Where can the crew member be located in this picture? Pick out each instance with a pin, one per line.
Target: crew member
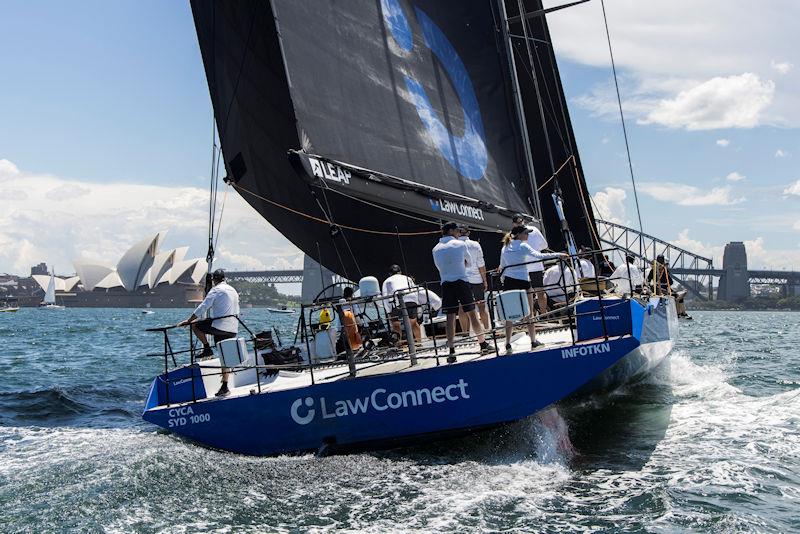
(585, 267)
(559, 283)
(514, 260)
(627, 277)
(222, 306)
(476, 276)
(450, 256)
(538, 243)
(397, 281)
(659, 278)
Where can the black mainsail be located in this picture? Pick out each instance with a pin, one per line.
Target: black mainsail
(356, 127)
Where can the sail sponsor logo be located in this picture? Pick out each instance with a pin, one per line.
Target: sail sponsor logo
(455, 208)
(305, 410)
(329, 171)
(586, 350)
(466, 153)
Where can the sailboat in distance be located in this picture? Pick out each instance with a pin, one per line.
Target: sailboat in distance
(358, 128)
(49, 300)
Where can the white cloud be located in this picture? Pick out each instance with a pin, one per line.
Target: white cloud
(780, 153)
(782, 67)
(661, 52)
(688, 195)
(730, 102)
(735, 177)
(103, 219)
(610, 205)
(723, 142)
(796, 225)
(793, 189)
(684, 241)
(7, 169)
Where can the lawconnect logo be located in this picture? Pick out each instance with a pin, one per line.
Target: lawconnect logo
(304, 410)
(448, 206)
(585, 350)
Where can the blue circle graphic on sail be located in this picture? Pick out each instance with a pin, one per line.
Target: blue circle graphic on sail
(467, 152)
(398, 24)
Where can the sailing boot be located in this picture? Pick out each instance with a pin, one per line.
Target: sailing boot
(452, 357)
(223, 390)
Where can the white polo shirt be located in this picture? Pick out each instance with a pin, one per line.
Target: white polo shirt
(475, 260)
(394, 283)
(220, 301)
(450, 256)
(519, 252)
(538, 243)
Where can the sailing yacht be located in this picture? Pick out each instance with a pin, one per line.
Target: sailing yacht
(49, 301)
(357, 129)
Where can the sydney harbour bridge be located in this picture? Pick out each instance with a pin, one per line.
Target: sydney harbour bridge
(694, 272)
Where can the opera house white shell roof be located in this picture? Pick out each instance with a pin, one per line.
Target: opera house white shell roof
(141, 265)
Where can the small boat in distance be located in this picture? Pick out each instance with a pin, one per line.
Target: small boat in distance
(282, 309)
(49, 301)
(9, 305)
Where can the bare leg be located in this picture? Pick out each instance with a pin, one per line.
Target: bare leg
(509, 330)
(531, 323)
(415, 330)
(484, 315)
(451, 329)
(476, 325)
(463, 321)
(542, 298)
(200, 335)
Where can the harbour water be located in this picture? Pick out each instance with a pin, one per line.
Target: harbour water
(710, 443)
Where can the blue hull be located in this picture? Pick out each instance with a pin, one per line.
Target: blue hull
(431, 401)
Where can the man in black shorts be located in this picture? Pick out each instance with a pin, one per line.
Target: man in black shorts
(222, 305)
(451, 257)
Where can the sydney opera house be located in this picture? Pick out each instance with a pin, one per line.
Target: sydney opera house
(143, 277)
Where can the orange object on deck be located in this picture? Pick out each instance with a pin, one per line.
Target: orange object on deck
(351, 329)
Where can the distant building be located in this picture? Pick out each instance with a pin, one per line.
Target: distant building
(39, 269)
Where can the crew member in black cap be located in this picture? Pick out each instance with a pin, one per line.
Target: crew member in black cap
(451, 258)
(222, 305)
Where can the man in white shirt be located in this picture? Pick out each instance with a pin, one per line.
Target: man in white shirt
(555, 280)
(585, 267)
(537, 242)
(627, 275)
(476, 276)
(222, 305)
(450, 256)
(398, 281)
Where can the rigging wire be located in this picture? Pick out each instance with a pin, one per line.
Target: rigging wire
(323, 221)
(622, 119)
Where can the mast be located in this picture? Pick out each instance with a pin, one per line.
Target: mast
(536, 87)
(526, 142)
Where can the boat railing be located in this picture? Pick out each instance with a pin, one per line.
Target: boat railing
(379, 317)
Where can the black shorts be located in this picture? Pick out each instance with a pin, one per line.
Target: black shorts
(514, 283)
(455, 294)
(411, 307)
(205, 327)
(477, 292)
(537, 279)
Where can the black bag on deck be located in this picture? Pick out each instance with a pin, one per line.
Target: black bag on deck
(287, 356)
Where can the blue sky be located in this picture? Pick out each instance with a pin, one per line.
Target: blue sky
(105, 128)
